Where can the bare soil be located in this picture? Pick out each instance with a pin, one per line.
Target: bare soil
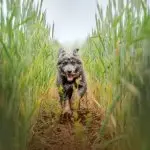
(78, 134)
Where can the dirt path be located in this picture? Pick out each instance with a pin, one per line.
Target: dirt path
(49, 134)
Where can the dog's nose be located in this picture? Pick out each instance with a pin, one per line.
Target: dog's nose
(69, 71)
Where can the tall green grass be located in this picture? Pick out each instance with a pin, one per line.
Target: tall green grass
(116, 56)
(27, 55)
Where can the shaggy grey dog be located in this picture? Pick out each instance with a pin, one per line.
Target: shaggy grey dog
(70, 69)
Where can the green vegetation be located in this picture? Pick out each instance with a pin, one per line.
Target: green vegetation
(27, 63)
(116, 58)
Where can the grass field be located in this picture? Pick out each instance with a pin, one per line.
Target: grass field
(116, 57)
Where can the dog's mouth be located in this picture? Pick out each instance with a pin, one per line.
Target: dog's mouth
(70, 77)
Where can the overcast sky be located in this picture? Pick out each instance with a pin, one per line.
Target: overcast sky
(74, 19)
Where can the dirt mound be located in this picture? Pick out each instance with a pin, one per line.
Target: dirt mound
(49, 134)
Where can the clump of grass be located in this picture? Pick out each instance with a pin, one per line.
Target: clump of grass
(26, 60)
(115, 55)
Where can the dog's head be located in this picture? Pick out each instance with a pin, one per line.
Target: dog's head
(69, 64)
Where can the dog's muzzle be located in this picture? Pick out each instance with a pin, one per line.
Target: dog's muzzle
(71, 76)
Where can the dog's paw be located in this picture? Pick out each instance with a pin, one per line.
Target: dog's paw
(67, 111)
(66, 116)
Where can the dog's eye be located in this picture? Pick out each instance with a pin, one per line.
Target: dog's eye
(72, 62)
(79, 62)
(58, 63)
(65, 62)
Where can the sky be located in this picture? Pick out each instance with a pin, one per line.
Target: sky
(74, 19)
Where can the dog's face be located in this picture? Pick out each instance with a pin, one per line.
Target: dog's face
(69, 64)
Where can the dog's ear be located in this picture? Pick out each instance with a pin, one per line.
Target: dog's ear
(61, 52)
(75, 51)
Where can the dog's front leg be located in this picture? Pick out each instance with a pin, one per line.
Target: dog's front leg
(82, 88)
(67, 99)
(66, 108)
(64, 102)
(81, 91)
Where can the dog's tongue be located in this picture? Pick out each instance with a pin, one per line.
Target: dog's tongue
(70, 77)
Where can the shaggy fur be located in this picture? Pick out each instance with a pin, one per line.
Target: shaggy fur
(70, 69)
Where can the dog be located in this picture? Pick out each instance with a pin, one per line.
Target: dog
(70, 70)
